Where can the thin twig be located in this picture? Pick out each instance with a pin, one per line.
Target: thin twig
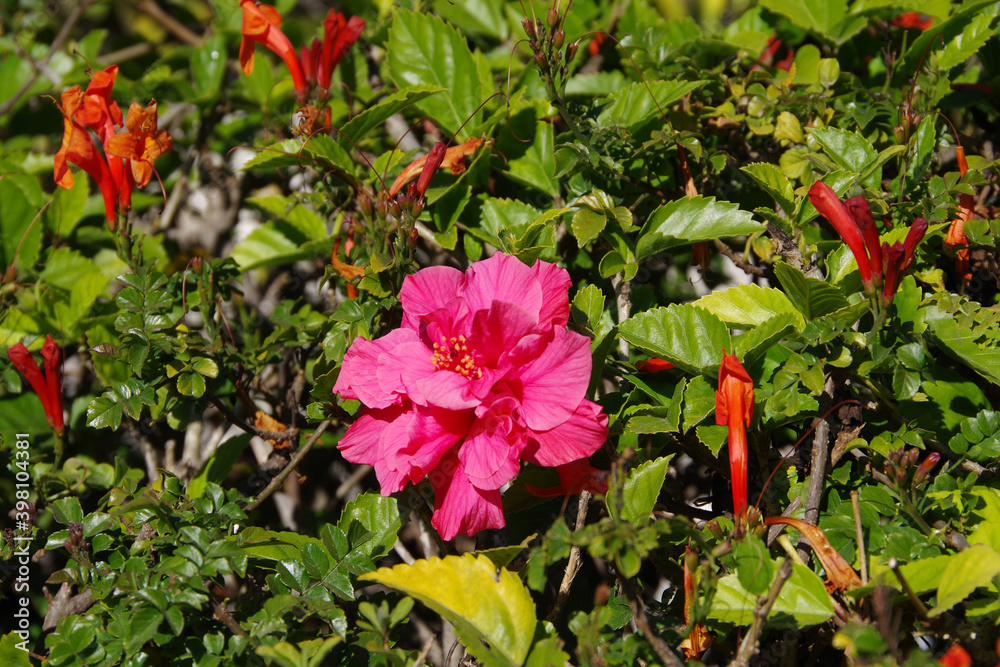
(222, 614)
(296, 460)
(917, 603)
(820, 453)
(71, 21)
(573, 564)
(623, 295)
(663, 651)
(856, 507)
(749, 646)
(746, 267)
(169, 22)
(425, 650)
(231, 417)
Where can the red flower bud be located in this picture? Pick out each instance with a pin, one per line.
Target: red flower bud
(434, 160)
(892, 260)
(830, 207)
(913, 237)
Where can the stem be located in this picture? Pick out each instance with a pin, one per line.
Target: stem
(749, 646)
(663, 651)
(296, 460)
(573, 564)
(820, 454)
(856, 507)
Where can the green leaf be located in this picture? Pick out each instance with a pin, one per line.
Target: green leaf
(692, 219)
(208, 66)
(754, 344)
(754, 567)
(815, 15)
(748, 305)
(773, 182)
(970, 347)
(642, 488)
(374, 116)
(300, 235)
(921, 151)
(491, 610)
(587, 225)
(589, 302)
(813, 297)
(699, 401)
(12, 656)
(104, 411)
(972, 38)
(849, 150)
(943, 33)
(635, 103)
(205, 366)
(219, 465)
(191, 384)
(687, 336)
(142, 626)
(380, 517)
(967, 571)
(423, 49)
(533, 164)
(67, 510)
(803, 601)
(287, 153)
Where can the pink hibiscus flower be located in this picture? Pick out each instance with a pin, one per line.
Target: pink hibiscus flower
(481, 375)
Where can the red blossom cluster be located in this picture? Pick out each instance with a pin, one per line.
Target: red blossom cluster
(880, 265)
(314, 64)
(128, 157)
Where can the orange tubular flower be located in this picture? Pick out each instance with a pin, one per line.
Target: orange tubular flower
(653, 365)
(78, 148)
(47, 384)
(262, 25)
(734, 408)
(142, 144)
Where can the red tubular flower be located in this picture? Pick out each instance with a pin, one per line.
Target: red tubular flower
(309, 55)
(862, 213)
(913, 237)
(913, 20)
(47, 385)
(339, 35)
(830, 207)
(734, 408)
(434, 160)
(262, 25)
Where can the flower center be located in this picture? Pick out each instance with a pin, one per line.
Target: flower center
(453, 354)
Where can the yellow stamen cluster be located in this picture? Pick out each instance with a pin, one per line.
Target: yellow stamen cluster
(453, 355)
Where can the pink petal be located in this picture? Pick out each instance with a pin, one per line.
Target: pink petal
(554, 382)
(360, 443)
(428, 290)
(498, 330)
(490, 453)
(502, 278)
(459, 507)
(431, 433)
(555, 283)
(579, 436)
(358, 377)
(443, 389)
(403, 365)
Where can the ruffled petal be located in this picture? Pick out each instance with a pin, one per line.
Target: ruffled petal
(428, 290)
(359, 377)
(555, 283)
(443, 389)
(432, 432)
(578, 437)
(553, 383)
(361, 442)
(498, 330)
(459, 507)
(490, 454)
(502, 278)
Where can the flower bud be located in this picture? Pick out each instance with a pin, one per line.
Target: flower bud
(552, 17)
(529, 28)
(196, 264)
(925, 468)
(899, 134)
(571, 52)
(365, 203)
(558, 38)
(413, 237)
(714, 528)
